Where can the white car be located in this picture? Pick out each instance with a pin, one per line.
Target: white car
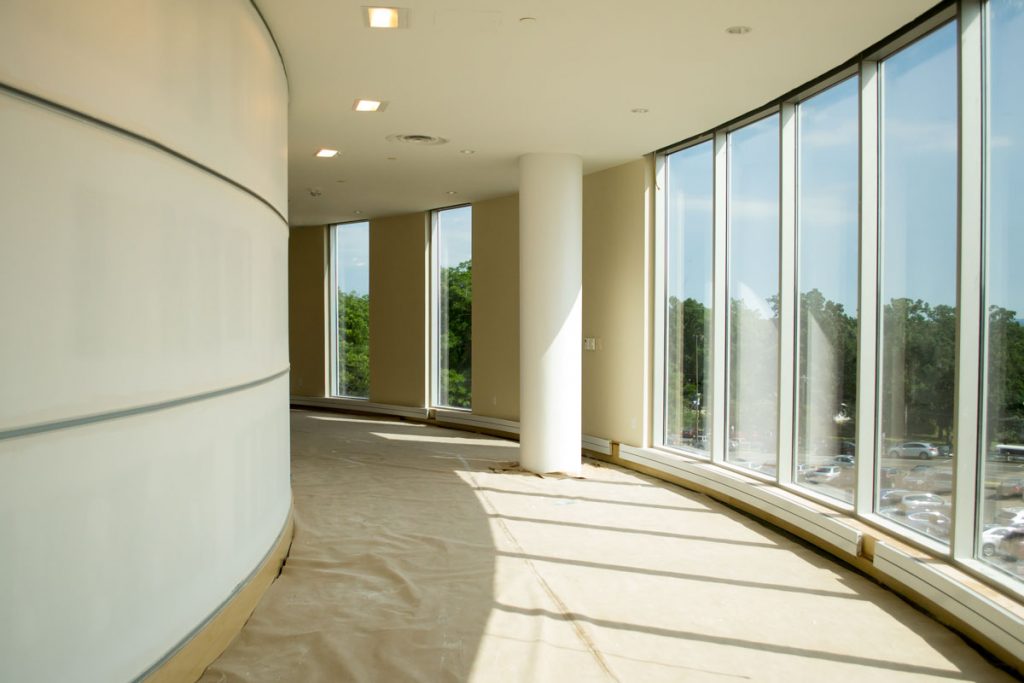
(990, 539)
(823, 474)
(921, 502)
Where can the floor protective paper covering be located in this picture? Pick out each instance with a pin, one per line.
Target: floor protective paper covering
(425, 554)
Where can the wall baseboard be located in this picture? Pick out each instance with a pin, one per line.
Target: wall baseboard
(468, 419)
(189, 660)
(359, 406)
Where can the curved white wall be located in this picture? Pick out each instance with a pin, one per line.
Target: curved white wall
(143, 297)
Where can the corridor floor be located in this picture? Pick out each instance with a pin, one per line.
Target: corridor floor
(421, 554)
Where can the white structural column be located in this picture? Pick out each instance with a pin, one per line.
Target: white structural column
(550, 312)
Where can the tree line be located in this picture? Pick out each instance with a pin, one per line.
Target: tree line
(918, 355)
(455, 311)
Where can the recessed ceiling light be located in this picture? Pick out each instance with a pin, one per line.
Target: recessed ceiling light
(327, 153)
(467, 152)
(386, 17)
(640, 110)
(358, 212)
(392, 158)
(369, 105)
(449, 192)
(738, 30)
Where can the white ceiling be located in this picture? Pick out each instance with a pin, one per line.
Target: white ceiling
(473, 73)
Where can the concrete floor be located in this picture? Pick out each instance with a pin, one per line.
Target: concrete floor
(421, 554)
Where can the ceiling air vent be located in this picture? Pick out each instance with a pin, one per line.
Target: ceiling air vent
(416, 139)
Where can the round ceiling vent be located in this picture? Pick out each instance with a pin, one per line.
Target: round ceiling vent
(416, 139)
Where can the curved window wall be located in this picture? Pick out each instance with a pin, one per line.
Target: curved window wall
(855, 248)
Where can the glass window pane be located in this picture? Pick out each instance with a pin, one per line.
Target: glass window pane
(753, 368)
(688, 307)
(827, 221)
(1002, 471)
(352, 271)
(917, 282)
(453, 240)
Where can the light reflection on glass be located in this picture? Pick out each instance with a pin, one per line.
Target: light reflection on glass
(827, 220)
(753, 217)
(917, 282)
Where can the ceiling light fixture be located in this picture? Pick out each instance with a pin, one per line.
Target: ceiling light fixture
(639, 110)
(369, 105)
(358, 212)
(327, 153)
(451, 192)
(467, 152)
(738, 30)
(386, 17)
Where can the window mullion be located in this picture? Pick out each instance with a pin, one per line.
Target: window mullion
(968, 347)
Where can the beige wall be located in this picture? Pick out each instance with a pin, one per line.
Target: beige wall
(615, 274)
(398, 310)
(615, 306)
(307, 319)
(496, 308)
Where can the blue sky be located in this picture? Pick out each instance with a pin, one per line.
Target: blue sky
(352, 257)
(352, 247)
(918, 186)
(1005, 158)
(455, 236)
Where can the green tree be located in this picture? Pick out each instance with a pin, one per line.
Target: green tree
(918, 369)
(456, 343)
(1005, 377)
(687, 368)
(354, 344)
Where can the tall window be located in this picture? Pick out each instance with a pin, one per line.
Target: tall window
(753, 367)
(688, 328)
(453, 306)
(1002, 447)
(917, 281)
(827, 224)
(350, 273)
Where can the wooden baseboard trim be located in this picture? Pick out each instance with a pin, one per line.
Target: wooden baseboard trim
(189, 660)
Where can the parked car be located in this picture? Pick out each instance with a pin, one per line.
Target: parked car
(1014, 486)
(824, 474)
(921, 502)
(940, 480)
(892, 497)
(843, 460)
(1010, 516)
(1009, 452)
(991, 537)
(931, 522)
(917, 478)
(887, 476)
(914, 449)
(1011, 546)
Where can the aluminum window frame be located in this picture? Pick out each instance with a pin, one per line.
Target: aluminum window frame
(434, 338)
